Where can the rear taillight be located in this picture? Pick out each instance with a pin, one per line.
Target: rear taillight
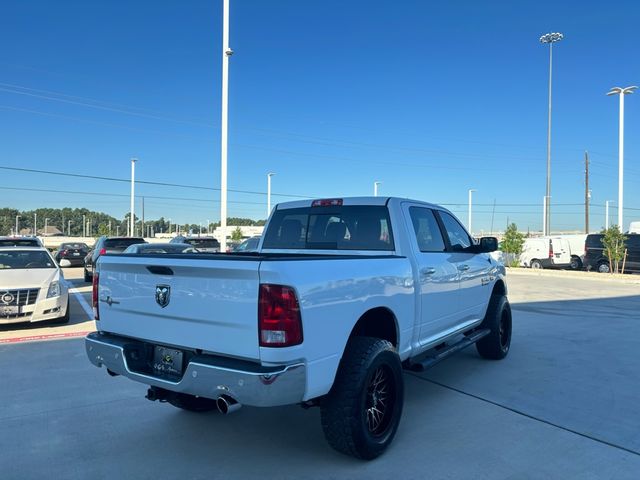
(550, 249)
(103, 251)
(94, 296)
(64, 253)
(279, 323)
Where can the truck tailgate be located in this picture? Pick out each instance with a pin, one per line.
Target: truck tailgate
(212, 302)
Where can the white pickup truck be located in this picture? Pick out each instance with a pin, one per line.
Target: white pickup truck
(341, 295)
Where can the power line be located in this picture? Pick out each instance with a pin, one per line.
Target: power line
(162, 184)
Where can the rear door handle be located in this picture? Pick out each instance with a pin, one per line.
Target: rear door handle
(427, 271)
(463, 268)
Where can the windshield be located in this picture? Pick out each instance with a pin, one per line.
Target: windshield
(23, 259)
(121, 243)
(203, 242)
(19, 242)
(76, 246)
(163, 248)
(330, 228)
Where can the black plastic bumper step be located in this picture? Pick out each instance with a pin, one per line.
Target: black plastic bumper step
(435, 356)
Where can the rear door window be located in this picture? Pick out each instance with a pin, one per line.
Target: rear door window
(330, 228)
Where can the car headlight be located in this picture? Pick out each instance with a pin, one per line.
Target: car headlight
(54, 289)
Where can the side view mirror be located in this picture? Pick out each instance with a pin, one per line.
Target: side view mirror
(488, 244)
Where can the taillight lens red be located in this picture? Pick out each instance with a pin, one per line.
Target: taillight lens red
(279, 322)
(64, 253)
(103, 251)
(550, 249)
(94, 296)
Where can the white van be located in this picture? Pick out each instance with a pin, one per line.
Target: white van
(545, 252)
(634, 227)
(576, 249)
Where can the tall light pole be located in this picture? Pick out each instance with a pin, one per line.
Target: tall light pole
(622, 92)
(470, 200)
(133, 192)
(269, 175)
(226, 53)
(68, 228)
(35, 223)
(169, 229)
(17, 224)
(549, 38)
(375, 188)
(84, 225)
(606, 213)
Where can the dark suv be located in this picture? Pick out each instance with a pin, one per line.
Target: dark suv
(106, 245)
(595, 258)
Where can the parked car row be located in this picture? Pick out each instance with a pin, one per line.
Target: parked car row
(577, 252)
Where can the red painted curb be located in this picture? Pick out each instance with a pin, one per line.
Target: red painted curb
(50, 336)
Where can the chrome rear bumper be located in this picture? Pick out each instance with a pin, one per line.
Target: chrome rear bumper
(206, 375)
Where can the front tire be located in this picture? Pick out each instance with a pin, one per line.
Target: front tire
(604, 267)
(496, 345)
(361, 413)
(536, 264)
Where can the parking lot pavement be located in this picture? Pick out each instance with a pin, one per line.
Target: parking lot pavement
(562, 405)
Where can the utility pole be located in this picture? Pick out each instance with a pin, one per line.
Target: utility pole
(586, 192)
(142, 229)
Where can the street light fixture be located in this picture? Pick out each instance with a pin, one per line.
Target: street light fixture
(269, 175)
(133, 188)
(549, 38)
(470, 201)
(622, 92)
(606, 213)
(375, 188)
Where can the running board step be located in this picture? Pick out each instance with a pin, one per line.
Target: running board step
(434, 357)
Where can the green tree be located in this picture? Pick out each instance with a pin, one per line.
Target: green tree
(512, 243)
(103, 229)
(613, 242)
(237, 234)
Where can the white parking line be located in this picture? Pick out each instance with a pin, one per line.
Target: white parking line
(83, 303)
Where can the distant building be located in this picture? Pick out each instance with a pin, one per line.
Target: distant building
(247, 231)
(50, 231)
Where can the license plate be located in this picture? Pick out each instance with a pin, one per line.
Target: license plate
(6, 310)
(76, 254)
(167, 361)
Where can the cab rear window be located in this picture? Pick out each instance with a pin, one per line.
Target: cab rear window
(330, 228)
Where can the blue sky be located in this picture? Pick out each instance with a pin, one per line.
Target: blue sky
(431, 98)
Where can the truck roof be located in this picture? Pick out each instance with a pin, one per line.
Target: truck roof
(354, 201)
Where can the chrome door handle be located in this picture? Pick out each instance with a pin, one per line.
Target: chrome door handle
(427, 271)
(463, 268)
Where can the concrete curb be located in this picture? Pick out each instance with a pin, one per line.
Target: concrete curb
(592, 276)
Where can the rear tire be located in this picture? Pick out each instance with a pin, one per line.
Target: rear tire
(604, 267)
(192, 403)
(576, 263)
(535, 263)
(361, 413)
(496, 345)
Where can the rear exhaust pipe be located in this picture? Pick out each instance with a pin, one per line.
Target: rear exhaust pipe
(227, 404)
